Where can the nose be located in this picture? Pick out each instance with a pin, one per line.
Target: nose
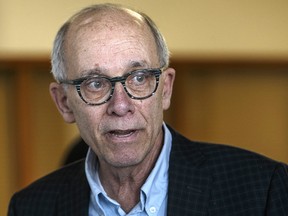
(120, 104)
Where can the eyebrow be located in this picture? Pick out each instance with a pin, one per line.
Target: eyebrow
(137, 64)
(132, 65)
(92, 72)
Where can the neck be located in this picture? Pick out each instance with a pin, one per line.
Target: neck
(123, 184)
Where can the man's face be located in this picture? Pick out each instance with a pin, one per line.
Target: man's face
(122, 132)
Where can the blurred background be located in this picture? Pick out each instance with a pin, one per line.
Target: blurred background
(231, 59)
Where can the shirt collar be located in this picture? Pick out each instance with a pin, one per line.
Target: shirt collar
(156, 186)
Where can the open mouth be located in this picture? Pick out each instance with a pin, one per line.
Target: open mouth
(122, 133)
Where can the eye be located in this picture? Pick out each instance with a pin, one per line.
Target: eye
(139, 78)
(96, 84)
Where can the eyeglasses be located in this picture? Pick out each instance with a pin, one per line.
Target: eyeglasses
(96, 90)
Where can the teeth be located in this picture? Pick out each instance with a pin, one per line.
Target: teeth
(121, 132)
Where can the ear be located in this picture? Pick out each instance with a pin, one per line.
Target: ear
(169, 77)
(59, 97)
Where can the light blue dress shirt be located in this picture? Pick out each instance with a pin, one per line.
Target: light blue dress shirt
(153, 195)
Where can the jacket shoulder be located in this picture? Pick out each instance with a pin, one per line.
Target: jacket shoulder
(41, 196)
(57, 178)
(217, 154)
(232, 178)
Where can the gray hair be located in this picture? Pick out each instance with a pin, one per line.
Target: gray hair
(58, 51)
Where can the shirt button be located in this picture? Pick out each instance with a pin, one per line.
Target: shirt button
(152, 209)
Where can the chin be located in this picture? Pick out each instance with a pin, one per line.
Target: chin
(125, 162)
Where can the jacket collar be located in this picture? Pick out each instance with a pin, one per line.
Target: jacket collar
(73, 199)
(189, 183)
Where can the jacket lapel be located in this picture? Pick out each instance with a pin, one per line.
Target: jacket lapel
(74, 196)
(189, 183)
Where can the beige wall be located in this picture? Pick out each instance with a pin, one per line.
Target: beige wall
(208, 27)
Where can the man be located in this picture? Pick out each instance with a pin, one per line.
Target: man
(113, 80)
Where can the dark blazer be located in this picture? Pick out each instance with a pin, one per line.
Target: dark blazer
(204, 179)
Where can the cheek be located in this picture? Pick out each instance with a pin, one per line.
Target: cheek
(88, 126)
(87, 117)
(84, 122)
(156, 109)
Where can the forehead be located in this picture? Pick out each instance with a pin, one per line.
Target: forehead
(103, 38)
